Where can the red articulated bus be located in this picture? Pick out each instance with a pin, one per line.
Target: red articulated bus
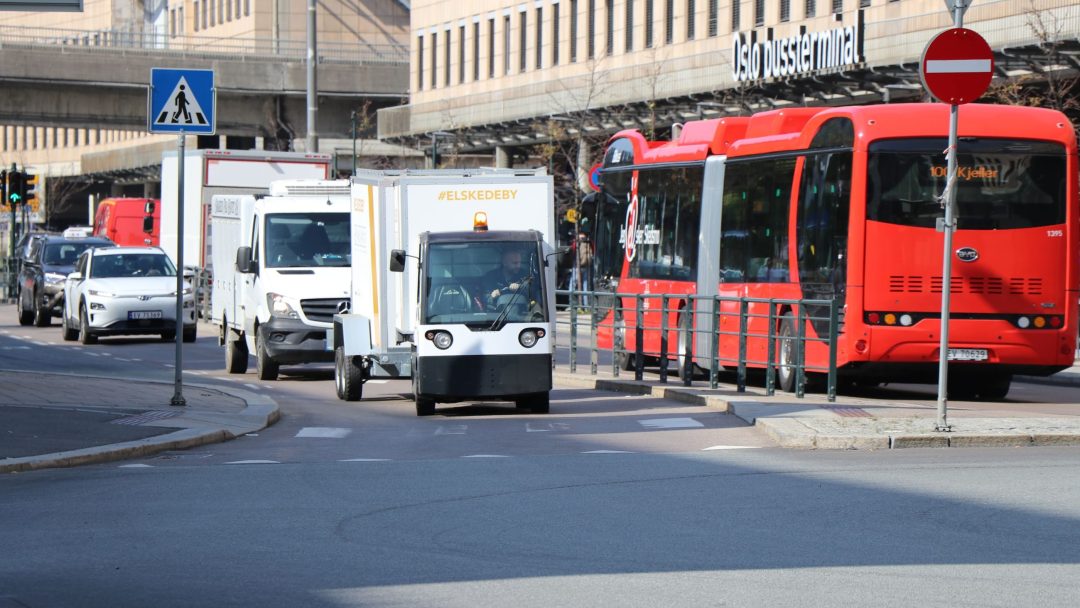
(129, 221)
(842, 204)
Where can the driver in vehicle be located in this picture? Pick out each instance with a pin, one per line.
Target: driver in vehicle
(507, 278)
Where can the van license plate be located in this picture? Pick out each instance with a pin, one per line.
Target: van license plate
(968, 354)
(139, 315)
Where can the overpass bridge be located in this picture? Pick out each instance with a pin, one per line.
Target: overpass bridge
(81, 79)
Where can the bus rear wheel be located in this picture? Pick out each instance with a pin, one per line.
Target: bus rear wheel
(785, 368)
(996, 388)
(686, 366)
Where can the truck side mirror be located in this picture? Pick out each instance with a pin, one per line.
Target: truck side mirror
(244, 263)
(397, 260)
(148, 224)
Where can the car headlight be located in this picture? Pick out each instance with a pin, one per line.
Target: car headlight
(279, 307)
(52, 278)
(101, 294)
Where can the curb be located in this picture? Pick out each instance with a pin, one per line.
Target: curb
(259, 412)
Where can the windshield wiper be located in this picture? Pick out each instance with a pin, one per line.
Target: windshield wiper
(501, 319)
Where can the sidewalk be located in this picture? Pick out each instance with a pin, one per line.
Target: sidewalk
(859, 423)
(58, 420)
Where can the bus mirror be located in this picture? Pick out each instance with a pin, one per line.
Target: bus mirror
(244, 263)
(148, 224)
(397, 260)
(149, 208)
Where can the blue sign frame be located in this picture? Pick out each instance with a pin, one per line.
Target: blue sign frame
(181, 101)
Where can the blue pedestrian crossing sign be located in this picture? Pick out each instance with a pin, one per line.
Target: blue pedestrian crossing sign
(181, 101)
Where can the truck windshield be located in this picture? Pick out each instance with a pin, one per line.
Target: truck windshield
(1001, 183)
(477, 282)
(307, 239)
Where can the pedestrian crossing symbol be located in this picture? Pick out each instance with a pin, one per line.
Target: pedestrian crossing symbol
(181, 101)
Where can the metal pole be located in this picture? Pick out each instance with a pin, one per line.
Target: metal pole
(949, 197)
(353, 116)
(312, 85)
(178, 383)
(12, 279)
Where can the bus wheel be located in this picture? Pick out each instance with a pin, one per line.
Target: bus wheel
(624, 359)
(348, 376)
(686, 366)
(785, 367)
(996, 388)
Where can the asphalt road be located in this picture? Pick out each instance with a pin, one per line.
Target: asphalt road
(611, 500)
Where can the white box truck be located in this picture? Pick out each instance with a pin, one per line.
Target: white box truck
(454, 318)
(281, 273)
(210, 172)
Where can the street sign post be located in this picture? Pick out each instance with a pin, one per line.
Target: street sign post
(181, 101)
(956, 68)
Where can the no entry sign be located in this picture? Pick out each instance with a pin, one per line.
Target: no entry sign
(957, 66)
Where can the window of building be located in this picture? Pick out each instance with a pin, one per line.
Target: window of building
(476, 51)
(247, 8)
(213, 13)
(228, 9)
(221, 10)
(669, 21)
(785, 10)
(590, 34)
(555, 39)
(172, 23)
(491, 47)
(446, 63)
(609, 39)
(573, 30)
(523, 40)
(864, 3)
(629, 25)
(811, 8)
(539, 37)
(736, 14)
(649, 24)
(837, 6)
(691, 18)
(420, 63)
(237, 9)
(714, 18)
(506, 44)
(759, 13)
(195, 22)
(434, 59)
(461, 54)
(204, 13)
(181, 25)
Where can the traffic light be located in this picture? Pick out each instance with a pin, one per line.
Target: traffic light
(29, 191)
(15, 187)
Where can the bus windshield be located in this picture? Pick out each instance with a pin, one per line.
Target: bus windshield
(483, 283)
(1001, 183)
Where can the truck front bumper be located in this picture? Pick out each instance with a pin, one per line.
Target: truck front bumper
(483, 376)
(293, 341)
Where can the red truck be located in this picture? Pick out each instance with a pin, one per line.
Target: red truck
(129, 221)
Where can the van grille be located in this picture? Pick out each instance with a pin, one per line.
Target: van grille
(323, 309)
(1032, 286)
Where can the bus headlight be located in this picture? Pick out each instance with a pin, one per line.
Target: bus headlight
(529, 337)
(441, 339)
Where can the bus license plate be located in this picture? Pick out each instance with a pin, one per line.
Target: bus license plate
(139, 315)
(968, 354)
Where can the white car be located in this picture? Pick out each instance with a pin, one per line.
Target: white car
(124, 290)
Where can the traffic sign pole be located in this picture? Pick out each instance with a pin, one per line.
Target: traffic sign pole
(178, 380)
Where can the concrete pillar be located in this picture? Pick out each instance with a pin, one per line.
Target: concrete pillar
(502, 158)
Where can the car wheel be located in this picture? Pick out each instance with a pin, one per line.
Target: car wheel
(348, 376)
(85, 335)
(236, 354)
(190, 333)
(26, 317)
(266, 368)
(42, 316)
(69, 333)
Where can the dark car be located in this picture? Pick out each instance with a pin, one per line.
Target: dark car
(45, 264)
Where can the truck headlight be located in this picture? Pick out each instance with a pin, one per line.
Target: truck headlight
(529, 337)
(441, 339)
(279, 307)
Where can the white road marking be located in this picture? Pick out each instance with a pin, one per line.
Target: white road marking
(253, 462)
(486, 456)
(327, 432)
(93, 354)
(44, 343)
(453, 429)
(376, 381)
(135, 466)
(365, 460)
(15, 348)
(251, 386)
(670, 423)
(545, 427)
(124, 359)
(730, 447)
(606, 452)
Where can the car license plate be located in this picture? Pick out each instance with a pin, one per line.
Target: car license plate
(968, 354)
(139, 315)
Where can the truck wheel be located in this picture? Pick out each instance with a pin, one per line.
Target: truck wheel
(348, 376)
(266, 368)
(539, 403)
(236, 354)
(85, 335)
(69, 333)
(190, 333)
(425, 406)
